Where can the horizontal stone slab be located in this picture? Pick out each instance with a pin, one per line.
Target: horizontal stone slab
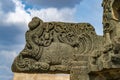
(26, 76)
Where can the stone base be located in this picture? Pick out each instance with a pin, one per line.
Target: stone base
(24, 76)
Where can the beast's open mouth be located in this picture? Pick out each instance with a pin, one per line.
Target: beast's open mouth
(116, 9)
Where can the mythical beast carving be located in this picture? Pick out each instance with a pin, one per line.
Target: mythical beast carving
(55, 46)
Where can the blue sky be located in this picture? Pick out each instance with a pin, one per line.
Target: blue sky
(15, 15)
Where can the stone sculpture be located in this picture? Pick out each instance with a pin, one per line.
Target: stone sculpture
(73, 48)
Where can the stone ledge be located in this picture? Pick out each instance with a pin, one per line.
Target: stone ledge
(26, 76)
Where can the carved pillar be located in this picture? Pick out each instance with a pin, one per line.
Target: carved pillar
(111, 17)
(107, 38)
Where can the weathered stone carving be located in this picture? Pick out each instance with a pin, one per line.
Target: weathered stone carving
(73, 48)
(109, 59)
(55, 46)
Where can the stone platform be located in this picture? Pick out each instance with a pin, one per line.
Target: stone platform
(25, 76)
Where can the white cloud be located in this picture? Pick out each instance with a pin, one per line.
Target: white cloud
(53, 14)
(20, 17)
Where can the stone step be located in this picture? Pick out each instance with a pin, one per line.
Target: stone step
(79, 77)
(40, 76)
(79, 70)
